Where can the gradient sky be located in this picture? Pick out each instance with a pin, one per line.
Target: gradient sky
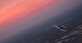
(17, 15)
(19, 8)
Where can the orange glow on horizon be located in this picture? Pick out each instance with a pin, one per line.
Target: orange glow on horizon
(19, 9)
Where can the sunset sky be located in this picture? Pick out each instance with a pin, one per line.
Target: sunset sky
(20, 15)
(13, 10)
